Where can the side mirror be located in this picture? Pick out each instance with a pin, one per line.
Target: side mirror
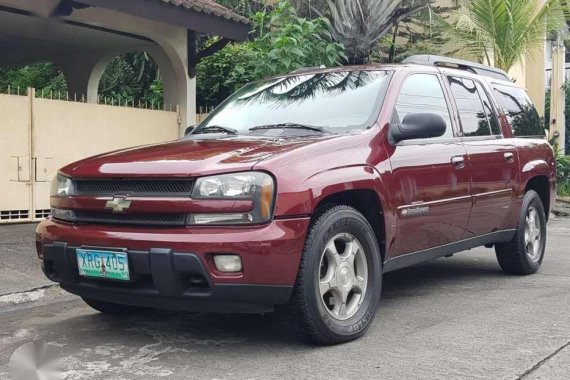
(418, 126)
(189, 130)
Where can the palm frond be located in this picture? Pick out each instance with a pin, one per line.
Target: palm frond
(506, 30)
(359, 24)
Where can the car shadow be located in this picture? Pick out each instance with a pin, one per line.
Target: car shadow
(222, 330)
(458, 270)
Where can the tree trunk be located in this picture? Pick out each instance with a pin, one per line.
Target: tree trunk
(392, 53)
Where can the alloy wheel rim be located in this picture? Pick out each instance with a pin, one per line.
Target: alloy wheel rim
(533, 235)
(343, 276)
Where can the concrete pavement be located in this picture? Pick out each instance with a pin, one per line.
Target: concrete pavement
(457, 318)
(19, 269)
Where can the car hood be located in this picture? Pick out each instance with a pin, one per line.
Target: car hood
(187, 158)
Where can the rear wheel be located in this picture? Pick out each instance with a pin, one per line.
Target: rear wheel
(525, 252)
(112, 308)
(339, 282)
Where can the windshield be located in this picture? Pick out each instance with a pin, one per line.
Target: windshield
(337, 102)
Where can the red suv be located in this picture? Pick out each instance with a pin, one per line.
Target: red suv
(304, 189)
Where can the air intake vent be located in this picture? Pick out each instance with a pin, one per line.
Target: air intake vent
(130, 219)
(14, 214)
(179, 188)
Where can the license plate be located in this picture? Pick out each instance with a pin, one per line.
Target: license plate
(103, 264)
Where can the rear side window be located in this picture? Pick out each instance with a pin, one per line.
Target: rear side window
(491, 115)
(474, 108)
(422, 93)
(521, 113)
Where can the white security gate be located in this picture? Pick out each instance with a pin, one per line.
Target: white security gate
(15, 163)
(38, 136)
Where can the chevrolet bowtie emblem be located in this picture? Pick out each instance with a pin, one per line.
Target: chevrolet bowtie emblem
(118, 205)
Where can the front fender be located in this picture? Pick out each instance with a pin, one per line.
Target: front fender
(337, 180)
(316, 188)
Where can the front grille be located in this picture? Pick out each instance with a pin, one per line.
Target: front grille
(130, 219)
(139, 187)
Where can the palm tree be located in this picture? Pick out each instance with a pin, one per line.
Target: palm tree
(501, 32)
(359, 24)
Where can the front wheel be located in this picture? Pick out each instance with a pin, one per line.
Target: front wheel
(525, 252)
(340, 279)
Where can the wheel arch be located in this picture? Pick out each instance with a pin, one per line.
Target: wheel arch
(365, 201)
(358, 186)
(541, 185)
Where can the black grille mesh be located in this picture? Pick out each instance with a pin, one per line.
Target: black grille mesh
(131, 219)
(134, 187)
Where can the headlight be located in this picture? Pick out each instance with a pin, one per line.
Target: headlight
(61, 186)
(256, 186)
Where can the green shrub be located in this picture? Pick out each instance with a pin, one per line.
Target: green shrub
(563, 175)
(213, 72)
(283, 42)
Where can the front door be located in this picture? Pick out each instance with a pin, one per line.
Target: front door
(429, 181)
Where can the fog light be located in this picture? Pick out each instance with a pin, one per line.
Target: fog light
(228, 263)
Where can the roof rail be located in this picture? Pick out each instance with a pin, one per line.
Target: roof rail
(306, 69)
(439, 61)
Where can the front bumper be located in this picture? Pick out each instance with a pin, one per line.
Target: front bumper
(173, 268)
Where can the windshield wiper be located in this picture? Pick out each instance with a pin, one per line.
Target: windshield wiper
(290, 126)
(217, 129)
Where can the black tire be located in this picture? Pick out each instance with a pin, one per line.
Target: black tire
(112, 308)
(513, 256)
(317, 324)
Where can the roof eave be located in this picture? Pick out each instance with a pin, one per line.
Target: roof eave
(180, 16)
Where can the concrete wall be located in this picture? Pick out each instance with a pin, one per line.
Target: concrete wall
(42, 135)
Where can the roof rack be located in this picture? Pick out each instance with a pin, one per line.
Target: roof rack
(439, 61)
(306, 69)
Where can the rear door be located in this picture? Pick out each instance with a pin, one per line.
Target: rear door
(492, 160)
(429, 180)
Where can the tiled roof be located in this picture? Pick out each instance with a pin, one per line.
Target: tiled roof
(208, 7)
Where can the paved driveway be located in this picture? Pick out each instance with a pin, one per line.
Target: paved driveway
(457, 318)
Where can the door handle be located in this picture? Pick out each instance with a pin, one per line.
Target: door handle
(509, 157)
(458, 162)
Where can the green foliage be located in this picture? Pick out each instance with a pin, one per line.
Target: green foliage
(44, 77)
(284, 42)
(213, 72)
(132, 77)
(506, 30)
(422, 33)
(287, 42)
(360, 24)
(563, 175)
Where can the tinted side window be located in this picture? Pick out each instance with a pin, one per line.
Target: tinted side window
(521, 114)
(491, 115)
(470, 107)
(422, 93)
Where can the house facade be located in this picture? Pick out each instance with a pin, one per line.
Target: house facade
(42, 132)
